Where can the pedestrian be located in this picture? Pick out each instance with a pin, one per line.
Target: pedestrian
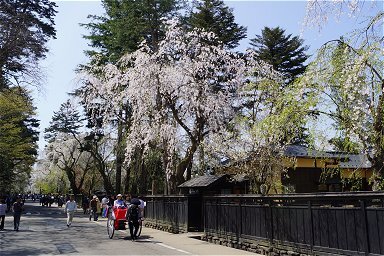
(8, 201)
(104, 205)
(17, 210)
(142, 207)
(3, 209)
(85, 204)
(95, 207)
(133, 216)
(70, 208)
(119, 202)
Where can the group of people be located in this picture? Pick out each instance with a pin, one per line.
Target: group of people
(134, 212)
(17, 208)
(134, 206)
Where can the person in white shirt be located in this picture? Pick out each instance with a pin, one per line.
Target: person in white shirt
(119, 202)
(142, 206)
(70, 208)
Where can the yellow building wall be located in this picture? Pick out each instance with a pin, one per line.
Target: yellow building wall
(352, 173)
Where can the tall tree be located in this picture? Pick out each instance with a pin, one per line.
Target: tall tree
(125, 25)
(285, 53)
(18, 137)
(25, 28)
(214, 16)
(352, 68)
(175, 95)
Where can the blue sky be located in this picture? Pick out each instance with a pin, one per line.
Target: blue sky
(66, 52)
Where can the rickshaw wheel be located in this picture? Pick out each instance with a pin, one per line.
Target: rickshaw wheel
(110, 227)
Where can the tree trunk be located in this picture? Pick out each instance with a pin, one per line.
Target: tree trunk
(127, 180)
(101, 168)
(119, 153)
(71, 178)
(183, 165)
(201, 160)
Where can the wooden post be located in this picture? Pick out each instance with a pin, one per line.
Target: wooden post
(365, 226)
(311, 239)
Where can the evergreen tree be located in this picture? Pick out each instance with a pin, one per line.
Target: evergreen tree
(25, 28)
(66, 120)
(126, 24)
(214, 16)
(285, 53)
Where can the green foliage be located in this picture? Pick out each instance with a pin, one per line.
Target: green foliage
(126, 24)
(345, 144)
(214, 16)
(18, 136)
(285, 53)
(25, 28)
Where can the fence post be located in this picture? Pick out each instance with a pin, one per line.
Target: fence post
(270, 228)
(365, 226)
(239, 232)
(311, 235)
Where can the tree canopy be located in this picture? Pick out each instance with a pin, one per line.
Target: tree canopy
(126, 24)
(214, 16)
(285, 53)
(25, 28)
(18, 137)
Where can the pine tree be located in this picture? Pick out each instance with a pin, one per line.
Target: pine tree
(66, 120)
(214, 16)
(25, 28)
(126, 24)
(285, 53)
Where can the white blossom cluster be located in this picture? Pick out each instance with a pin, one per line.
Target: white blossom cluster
(180, 95)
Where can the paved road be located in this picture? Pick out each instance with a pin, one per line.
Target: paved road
(43, 231)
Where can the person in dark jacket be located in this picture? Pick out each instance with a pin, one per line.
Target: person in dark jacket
(17, 210)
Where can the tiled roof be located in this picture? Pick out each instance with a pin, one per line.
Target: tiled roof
(354, 161)
(201, 181)
(300, 151)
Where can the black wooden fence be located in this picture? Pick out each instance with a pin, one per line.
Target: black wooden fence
(348, 223)
(174, 213)
(313, 224)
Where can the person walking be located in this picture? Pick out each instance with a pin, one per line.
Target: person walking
(95, 207)
(133, 216)
(3, 209)
(17, 209)
(70, 208)
(8, 202)
(104, 206)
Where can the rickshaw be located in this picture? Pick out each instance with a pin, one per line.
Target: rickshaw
(117, 220)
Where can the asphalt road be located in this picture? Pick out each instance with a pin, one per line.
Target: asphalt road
(43, 231)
